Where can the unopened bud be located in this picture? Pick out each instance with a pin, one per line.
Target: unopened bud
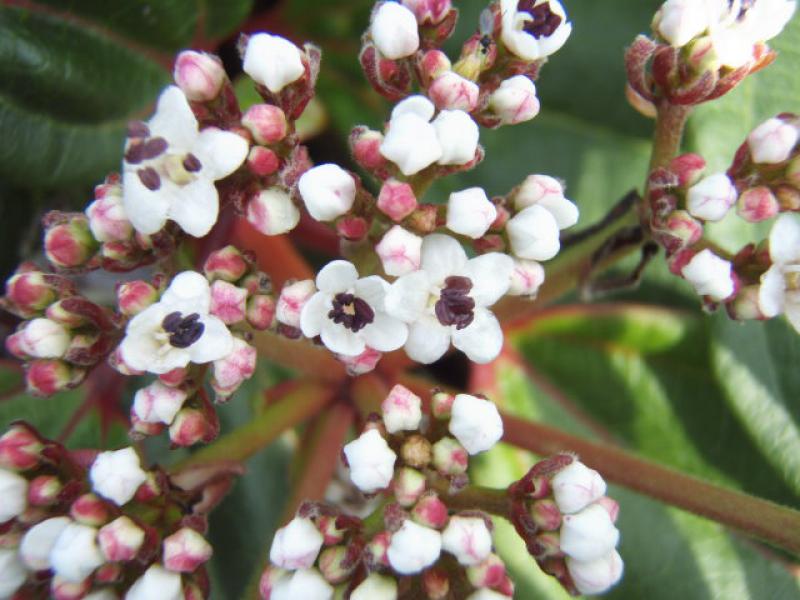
(47, 377)
(413, 548)
(371, 462)
(296, 545)
(678, 21)
(232, 370)
(470, 213)
(401, 409)
(441, 404)
(158, 403)
(452, 91)
(107, 219)
(134, 296)
(757, 204)
(328, 191)
(491, 574)
(468, 539)
(423, 219)
(428, 11)
(273, 61)
(595, 576)
(430, 511)
(75, 553)
(772, 141)
(710, 275)
(62, 588)
(89, 509)
(576, 486)
(42, 338)
(120, 540)
(396, 199)
(335, 564)
(684, 230)
(44, 490)
(408, 485)
(190, 426)
(450, 457)
(13, 495)
(416, 451)
(157, 582)
(366, 146)
(377, 549)
(117, 474)
(70, 244)
(432, 64)
(185, 550)
(711, 198)
(526, 278)
(227, 264)
(272, 212)
(352, 229)
(394, 31)
(400, 251)
(260, 311)
(20, 448)
(38, 542)
(266, 122)
(291, 301)
(362, 363)
(375, 587)
(199, 75)
(475, 423)
(688, 168)
(515, 101)
(588, 534)
(263, 161)
(228, 302)
(546, 515)
(30, 291)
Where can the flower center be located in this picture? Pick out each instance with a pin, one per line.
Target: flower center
(143, 147)
(543, 20)
(454, 306)
(351, 312)
(183, 331)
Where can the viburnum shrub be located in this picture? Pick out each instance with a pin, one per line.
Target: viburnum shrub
(399, 489)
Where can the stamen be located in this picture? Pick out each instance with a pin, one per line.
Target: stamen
(454, 306)
(138, 129)
(191, 163)
(135, 154)
(154, 147)
(543, 20)
(184, 331)
(351, 312)
(149, 178)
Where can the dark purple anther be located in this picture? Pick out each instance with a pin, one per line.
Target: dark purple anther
(149, 178)
(543, 20)
(192, 164)
(454, 306)
(351, 312)
(183, 331)
(154, 147)
(138, 129)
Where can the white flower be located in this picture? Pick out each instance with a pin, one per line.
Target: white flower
(75, 553)
(534, 29)
(273, 61)
(680, 21)
(170, 168)
(468, 539)
(156, 582)
(772, 141)
(780, 285)
(12, 572)
(576, 486)
(376, 587)
(447, 299)
(348, 312)
(475, 423)
(117, 475)
(328, 191)
(13, 495)
(303, 584)
(458, 136)
(596, 576)
(371, 462)
(526, 278)
(547, 192)
(533, 233)
(177, 329)
(399, 251)
(297, 545)
(394, 31)
(158, 403)
(38, 542)
(711, 198)
(470, 212)
(589, 534)
(414, 548)
(272, 212)
(401, 409)
(292, 299)
(515, 100)
(710, 275)
(43, 338)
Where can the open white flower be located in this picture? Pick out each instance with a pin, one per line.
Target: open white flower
(117, 474)
(170, 168)
(780, 285)
(349, 314)
(534, 29)
(272, 61)
(177, 329)
(447, 300)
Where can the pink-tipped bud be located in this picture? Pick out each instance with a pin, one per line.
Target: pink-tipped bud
(64, 589)
(442, 404)
(545, 514)
(120, 540)
(30, 291)
(140, 429)
(433, 64)
(260, 311)
(226, 263)
(377, 549)
(365, 144)
(134, 296)
(352, 229)
(107, 219)
(400, 251)
(228, 302)
(90, 509)
(326, 524)
(757, 204)
(70, 243)
(684, 230)
(175, 377)
(515, 101)
(430, 511)
(263, 161)
(158, 403)
(436, 583)
(47, 377)
(428, 11)
(408, 485)
(711, 198)
(42, 338)
(688, 168)
(44, 490)
(266, 122)
(468, 539)
(296, 545)
(232, 370)
(361, 364)
(576, 486)
(396, 199)
(611, 506)
(291, 301)
(773, 141)
(269, 581)
(402, 410)
(190, 427)
(526, 278)
(491, 574)
(20, 448)
(185, 550)
(150, 488)
(199, 75)
(336, 565)
(272, 212)
(452, 91)
(450, 457)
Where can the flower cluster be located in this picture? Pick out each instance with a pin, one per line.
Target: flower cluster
(97, 526)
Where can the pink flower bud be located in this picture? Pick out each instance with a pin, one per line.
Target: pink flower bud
(38, 542)
(70, 244)
(711, 198)
(226, 263)
(475, 423)
(185, 550)
(526, 278)
(47, 377)
(468, 539)
(400, 251)
(266, 122)
(328, 191)
(270, 579)
(228, 302)
(117, 474)
(190, 427)
(296, 545)
(44, 490)
(89, 509)
(20, 448)
(260, 311)
(377, 549)
(361, 364)
(757, 204)
(352, 229)
(366, 149)
(232, 370)
(684, 230)
(441, 404)
(413, 548)
(107, 219)
(402, 410)
(576, 486)
(120, 540)
(710, 275)
(272, 212)
(175, 377)
(158, 403)
(430, 511)
(515, 101)
(491, 574)
(371, 462)
(450, 457)
(394, 30)
(596, 576)
(273, 61)
(536, 189)
(375, 587)
(13, 495)
(545, 514)
(408, 485)
(75, 553)
(588, 534)
(436, 583)
(428, 11)
(199, 75)
(396, 199)
(452, 91)
(30, 291)
(611, 506)
(263, 161)
(64, 589)
(470, 213)
(688, 168)
(134, 296)
(772, 141)
(42, 338)
(433, 64)
(291, 301)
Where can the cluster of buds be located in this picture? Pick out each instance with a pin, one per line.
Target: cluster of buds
(702, 49)
(562, 513)
(62, 334)
(97, 525)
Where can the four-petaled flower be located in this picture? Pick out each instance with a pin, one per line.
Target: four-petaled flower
(534, 29)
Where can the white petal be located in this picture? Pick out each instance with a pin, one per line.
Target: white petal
(458, 136)
(341, 340)
(337, 276)
(408, 296)
(146, 209)
(220, 152)
(273, 61)
(482, 339)
(415, 105)
(174, 120)
(564, 211)
(373, 290)
(490, 275)
(215, 343)
(394, 31)
(533, 233)
(772, 292)
(411, 143)
(428, 340)
(784, 239)
(792, 310)
(195, 207)
(385, 333)
(442, 256)
(189, 292)
(314, 314)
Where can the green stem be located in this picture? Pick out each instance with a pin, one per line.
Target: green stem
(670, 123)
(770, 522)
(472, 497)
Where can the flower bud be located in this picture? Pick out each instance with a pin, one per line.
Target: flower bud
(371, 462)
(576, 486)
(13, 495)
(400, 251)
(158, 403)
(43, 338)
(270, 580)
(228, 302)
(757, 204)
(394, 30)
(452, 91)
(412, 142)
(38, 542)
(336, 565)
(533, 234)
(89, 509)
(515, 101)
(595, 576)
(361, 364)
(107, 219)
(296, 545)
(416, 451)
(260, 311)
(430, 511)
(376, 587)
(20, 448)
(12, 572)
(683, 229)
(64, 589)
(44, 490)
(69, 244)
(588, 534)
(366, 146)
(75, 553)
(272, 61)
(475, 423)
(328, 191)
(30, 291)
(450, 457)
(190, 427)
(227, 264)
(47, 377)
(526, 278)
(199, 75)
(710, 275)
(414, 548)
(120, 540)
(263, 161)
(428, 11)
(185, 550)
(291, 301)
(134, 296)
(157, 582)
(396, 199)
(232, 370)
(491, 573)
(458, 137)
(441, 404)
(711, 198)
(535, 189)
(352, 229)
(470, 213)
(436, 583)
(468, 539)
(272, 212)
(545, 514)
(611, 506)
(266, 122)
(772, 141)
(679, 21)
(408, 485)
(402, 410)
(432, 64)
(304, 583)
(117, 474)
